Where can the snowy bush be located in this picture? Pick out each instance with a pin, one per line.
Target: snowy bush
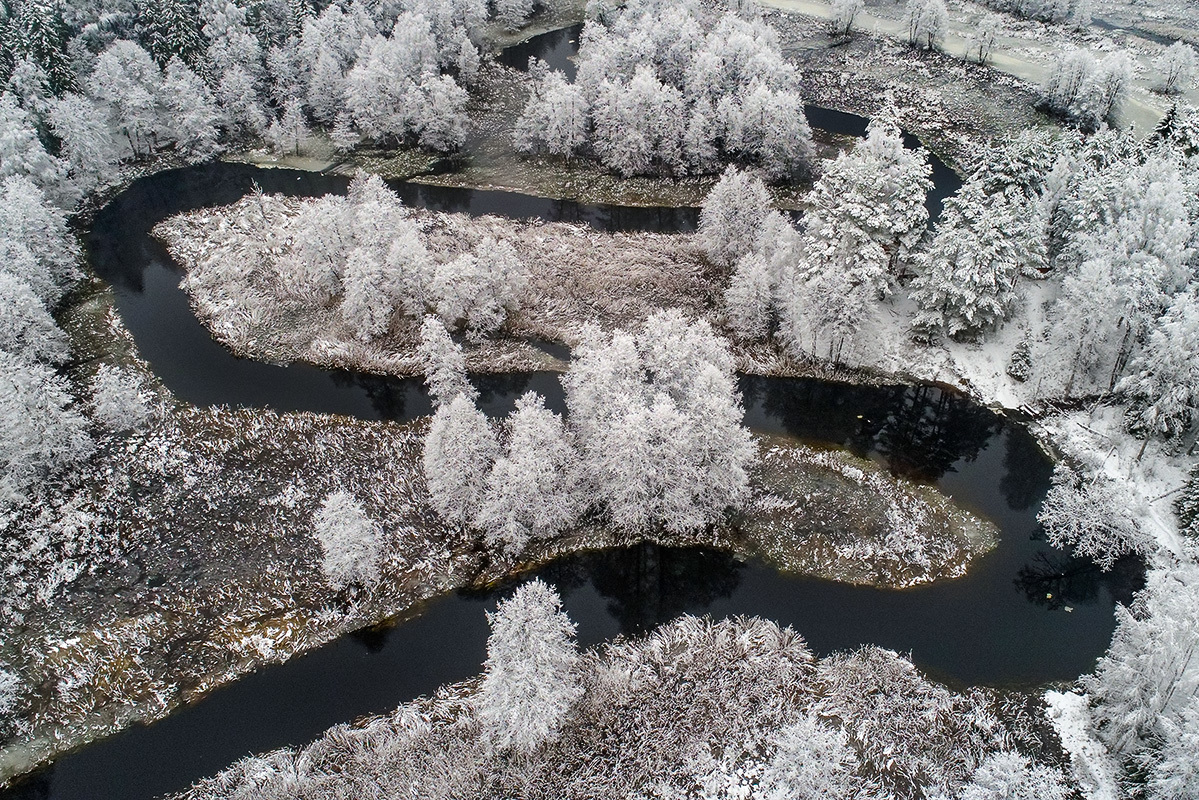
(532, 491)
(351, 543)
(119, 400)
(811, 761)
(459, 450)
(530, 680)
(41, 433)
(1094, 515)
(1008, 775)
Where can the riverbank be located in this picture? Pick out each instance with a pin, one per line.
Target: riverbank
(695, 703)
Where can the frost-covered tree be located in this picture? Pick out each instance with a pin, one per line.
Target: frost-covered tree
(532, 491)
(88, 147)
(926, 21)
(289, 132)
(811, 761)
(477, 290)
(1007, 775)
(460, 448)
(1149, 677)
(513, 14)
(120, 402)
(657, 418)
(555, 120)
(1092, 514)
(1163, 380)
(351, 543)
(1176, 66)
(10, 698)
(734, 216)
(191, 114)
(26, 327)
(326, 87)
(126, 79)
(1086, 90)
(442, 121)
(22, 153)
(370, 294)
(844, 13)
(443, 364)
(968, 274)
(241, 108)
(984, 38)
(41, 433)
(35, 244)
(749, 297)
(382, 88)
(1173, 769)
(530, 681)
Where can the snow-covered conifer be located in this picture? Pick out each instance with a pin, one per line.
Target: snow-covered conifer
(351, 543)
(39, 33)
(967, 280)
(460, 448)
(1174, 770)
(530, 681)
(513, 14)
(811, 761)
(172, 30)
(532, 491)
(1176, 67)
(467, 61)
(119, 400)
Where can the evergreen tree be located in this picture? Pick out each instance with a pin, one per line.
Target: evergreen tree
(967, 280)
(1163, 384)
(530, 680)
(39, 33)
(172, 30)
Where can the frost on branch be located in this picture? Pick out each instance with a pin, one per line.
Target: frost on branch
(530, 681)
(443, 364)
(351, 543)
(1007, 775)
(1092, 514)
(812, 760)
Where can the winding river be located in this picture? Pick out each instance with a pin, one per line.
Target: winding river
(1026, 614)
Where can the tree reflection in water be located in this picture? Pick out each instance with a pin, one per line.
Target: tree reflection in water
(1056, 580)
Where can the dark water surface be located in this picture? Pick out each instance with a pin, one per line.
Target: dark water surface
(1025, 615)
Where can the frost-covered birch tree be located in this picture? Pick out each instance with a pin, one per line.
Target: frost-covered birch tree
(1176, 66)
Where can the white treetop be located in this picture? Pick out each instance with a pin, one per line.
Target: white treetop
(351, 543)
(812, 761)
(443, 363)
(1007, 775)
(532, 491)
(530, 681)
(460, 448)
